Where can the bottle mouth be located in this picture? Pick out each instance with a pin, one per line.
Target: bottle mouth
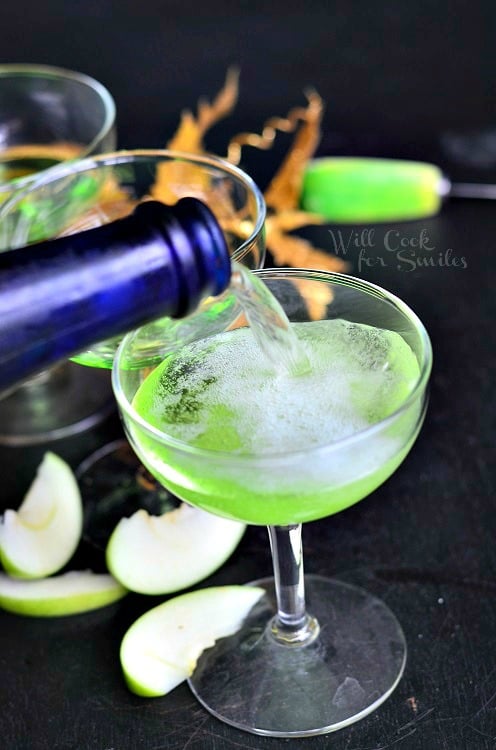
(207, 241)
(197, 246)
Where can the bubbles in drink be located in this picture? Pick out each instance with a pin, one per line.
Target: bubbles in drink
(221, 393)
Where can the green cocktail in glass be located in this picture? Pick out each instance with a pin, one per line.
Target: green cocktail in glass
(293, 430)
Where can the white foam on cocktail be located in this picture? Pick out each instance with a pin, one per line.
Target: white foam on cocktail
(357, 373)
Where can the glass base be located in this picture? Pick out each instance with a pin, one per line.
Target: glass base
(261, 686)
(115, 484)
(65, 400)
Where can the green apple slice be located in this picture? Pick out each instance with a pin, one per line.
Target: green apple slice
(39, 538)
(68, 594)
(160, 650)
(164, 554)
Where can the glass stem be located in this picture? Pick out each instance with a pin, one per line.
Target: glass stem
(292, 625)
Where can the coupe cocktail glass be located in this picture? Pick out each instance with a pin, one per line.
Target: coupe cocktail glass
(48, 116)
(292, 671)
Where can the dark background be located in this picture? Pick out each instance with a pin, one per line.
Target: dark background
(399, 79)
(404, 72)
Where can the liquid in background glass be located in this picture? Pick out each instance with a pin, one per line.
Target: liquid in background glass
(17, 162)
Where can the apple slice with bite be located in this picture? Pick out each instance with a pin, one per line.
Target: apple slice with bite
(167, 553)
(39, 538)
(67, 594)
(161, 649)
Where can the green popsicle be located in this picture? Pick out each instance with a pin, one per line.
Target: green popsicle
(359, 190)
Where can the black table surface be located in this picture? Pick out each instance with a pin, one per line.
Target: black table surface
(401, 84)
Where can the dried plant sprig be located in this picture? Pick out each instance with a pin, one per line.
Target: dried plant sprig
(284, 191)
(283, 194)
(291, 250)
(189, 135)
(222, 105)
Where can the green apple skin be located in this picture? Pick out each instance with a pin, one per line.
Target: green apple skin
(168, 553)
(161, 649)
(40, 537)
(67, 594)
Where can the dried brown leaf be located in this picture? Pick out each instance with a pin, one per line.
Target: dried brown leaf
(175, 179)
(284, 190)
(188, 136)
(288, 221)
(289, 250)
(317, 297)
(222, 105)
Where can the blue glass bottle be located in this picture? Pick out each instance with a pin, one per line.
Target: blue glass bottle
(61, 296)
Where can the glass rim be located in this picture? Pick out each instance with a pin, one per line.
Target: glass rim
(65, 169)
(272, 458)
(26, 70)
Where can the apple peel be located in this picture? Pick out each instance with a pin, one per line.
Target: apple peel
(67, 594)
(161, 649)
(167, 553)
(42, 535)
